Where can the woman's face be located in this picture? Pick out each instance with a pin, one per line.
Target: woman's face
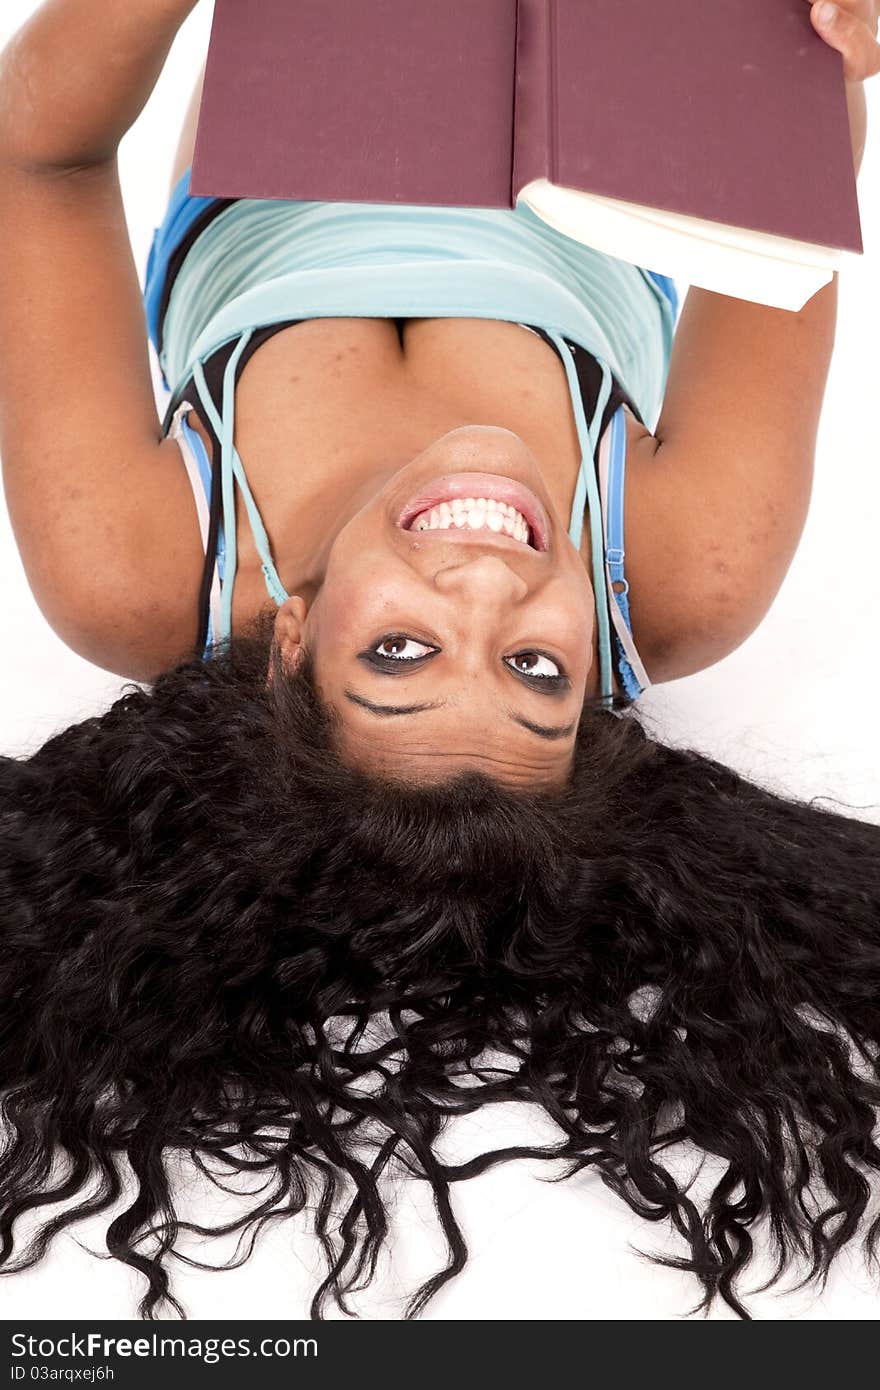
(453, 627)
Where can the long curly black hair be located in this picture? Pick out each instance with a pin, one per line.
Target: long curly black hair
(219, 940)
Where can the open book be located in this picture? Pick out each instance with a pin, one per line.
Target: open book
(706, 141)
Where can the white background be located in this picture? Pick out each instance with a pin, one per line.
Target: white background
(795, 707)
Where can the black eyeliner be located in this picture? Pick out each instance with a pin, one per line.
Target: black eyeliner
(391, 665)
(545, 685)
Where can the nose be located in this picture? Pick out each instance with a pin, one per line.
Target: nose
(486, 579)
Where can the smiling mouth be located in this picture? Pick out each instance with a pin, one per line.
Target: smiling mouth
(475, 514)
(479, 502)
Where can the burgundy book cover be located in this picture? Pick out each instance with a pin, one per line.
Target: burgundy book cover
(376, 101)
(730, 110)
(734, 111)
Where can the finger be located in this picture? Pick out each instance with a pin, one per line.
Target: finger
(851, 37)
(861, 9)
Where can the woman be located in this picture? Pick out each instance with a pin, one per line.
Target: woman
(706, 547)
(239, 902)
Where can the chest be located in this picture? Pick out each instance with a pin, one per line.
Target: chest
(325, 406)
(326, 409)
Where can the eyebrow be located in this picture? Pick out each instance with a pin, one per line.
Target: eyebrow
(391, 711)
(544, 730)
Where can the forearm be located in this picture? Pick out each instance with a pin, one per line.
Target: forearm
(78, 74)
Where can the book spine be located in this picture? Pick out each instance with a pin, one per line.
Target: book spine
(535, 112)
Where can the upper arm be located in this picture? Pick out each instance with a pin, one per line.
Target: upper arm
(99, 503)
(718, 496)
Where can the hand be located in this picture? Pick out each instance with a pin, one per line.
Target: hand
(851, 28)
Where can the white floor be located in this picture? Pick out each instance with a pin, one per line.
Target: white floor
(793, 707)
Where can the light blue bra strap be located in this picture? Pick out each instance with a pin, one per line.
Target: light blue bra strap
(615, 552)
(203, 463)
(227, 489)
(587, 491)
(233, 469)
(227, 464)
(633, 676)
(201, 386)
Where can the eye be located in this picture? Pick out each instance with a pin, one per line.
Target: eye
(534, 664)
(397, 654)
(400, 648)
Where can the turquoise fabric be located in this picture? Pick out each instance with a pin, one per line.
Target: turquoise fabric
(260, 262)
(184, 211)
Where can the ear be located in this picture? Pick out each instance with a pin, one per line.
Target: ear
(289, 626)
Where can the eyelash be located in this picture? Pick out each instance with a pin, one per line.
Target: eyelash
(395, 665)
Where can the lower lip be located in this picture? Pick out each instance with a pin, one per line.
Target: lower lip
(489, 485)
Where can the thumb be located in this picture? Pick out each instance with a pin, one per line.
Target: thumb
(851, 37)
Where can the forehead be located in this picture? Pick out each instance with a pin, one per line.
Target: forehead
(439, 744)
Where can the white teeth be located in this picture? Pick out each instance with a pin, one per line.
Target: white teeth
(475, 514)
